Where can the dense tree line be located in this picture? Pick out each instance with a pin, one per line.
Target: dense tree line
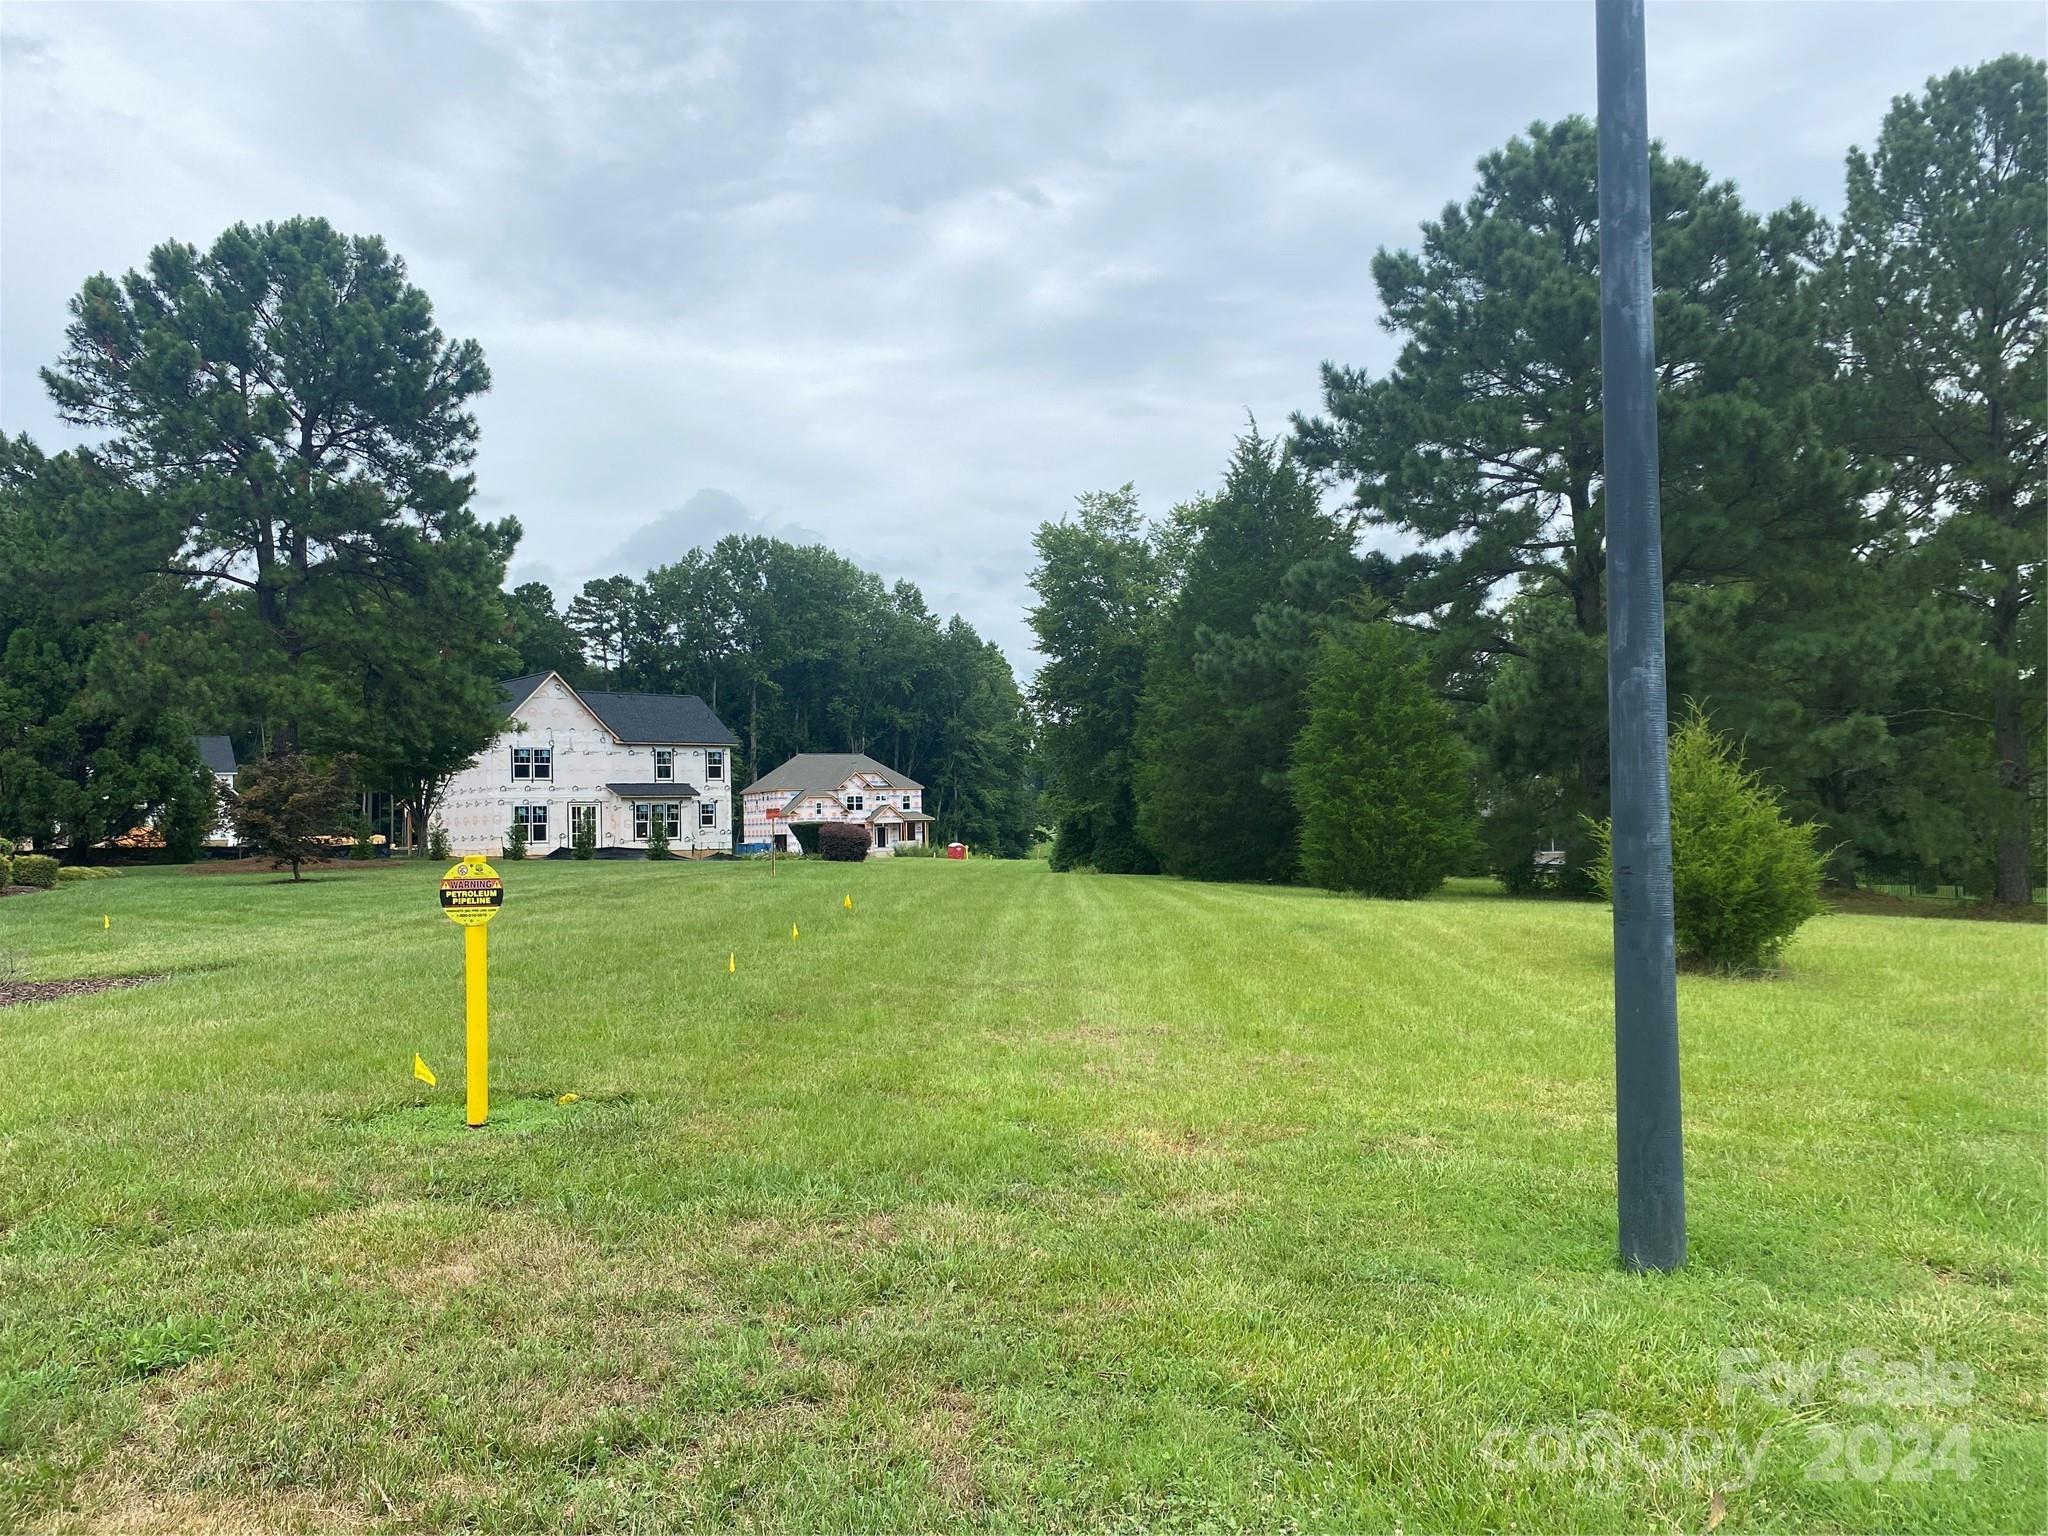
(799, 650)
(1852, 424)
(272, 536)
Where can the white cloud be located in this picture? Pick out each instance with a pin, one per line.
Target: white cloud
(910, 277)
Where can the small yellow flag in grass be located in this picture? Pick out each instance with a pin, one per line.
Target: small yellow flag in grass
(421, 1070)
(106, 920)
(732, 962)
(848, 903)
(569, 1098)
(792, 932)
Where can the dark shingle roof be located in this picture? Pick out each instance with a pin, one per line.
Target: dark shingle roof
(668, 718)
(217, 752)
(810, 773)
(654, 791)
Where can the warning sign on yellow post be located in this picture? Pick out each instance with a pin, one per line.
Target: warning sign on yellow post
(471, 894)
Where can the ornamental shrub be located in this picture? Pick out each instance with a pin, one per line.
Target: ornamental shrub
(362, 847)
(1381, 781)
(1743, 876)
(6, 871)
(515, 841)
(657, 836)
(37, 869)
(843, 842)
(437, 842)
(6, 847)
(72, 874)
(583, 838)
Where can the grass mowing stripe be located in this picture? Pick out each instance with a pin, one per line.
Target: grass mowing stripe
(1007, 1199)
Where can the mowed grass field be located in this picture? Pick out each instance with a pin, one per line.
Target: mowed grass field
(1006, 1200)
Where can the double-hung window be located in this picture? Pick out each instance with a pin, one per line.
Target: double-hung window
(532, 820)
(707, 813)
(533, 762)
(906, 802)
(664, 765)
(856, 802)
(714, 765)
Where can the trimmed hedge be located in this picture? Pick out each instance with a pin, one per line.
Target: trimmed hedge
(37, 869)
(71, 874)
(843, 842)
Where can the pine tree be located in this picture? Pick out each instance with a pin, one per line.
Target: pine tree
(1942, 289)
(1217, 713)
(1381, 781)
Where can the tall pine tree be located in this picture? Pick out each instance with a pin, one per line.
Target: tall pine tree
(1216, 714)
(1942, 273)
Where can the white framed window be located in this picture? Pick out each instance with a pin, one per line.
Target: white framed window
(707, 813)
(817, 807)
(522, 762)
(906, 802)
(533, 762)
(856, 802)
(714, 764)
(644, 812)
(664, 765)
(533, 820)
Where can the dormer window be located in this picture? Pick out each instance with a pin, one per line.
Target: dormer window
(714, 765)
(664, 765)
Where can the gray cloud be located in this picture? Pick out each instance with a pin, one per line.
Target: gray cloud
(912, 277)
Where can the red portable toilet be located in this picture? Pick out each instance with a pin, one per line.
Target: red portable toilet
(956, 850)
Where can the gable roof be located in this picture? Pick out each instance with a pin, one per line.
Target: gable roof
(638, 718)
(217, 753)
(823, 772)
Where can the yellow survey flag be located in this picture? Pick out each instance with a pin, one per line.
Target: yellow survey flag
(106, 920)
(792, 930)
(732, 962)
(849, 901)
(569, 1098)
(421, 1070)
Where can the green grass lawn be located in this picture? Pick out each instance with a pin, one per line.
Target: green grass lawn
(1008, 1199)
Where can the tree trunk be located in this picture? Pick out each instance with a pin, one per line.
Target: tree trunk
(2013, 874)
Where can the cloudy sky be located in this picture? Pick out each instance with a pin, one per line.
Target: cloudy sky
(903, 280)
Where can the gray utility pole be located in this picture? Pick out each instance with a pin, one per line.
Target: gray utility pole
(1650, 1153)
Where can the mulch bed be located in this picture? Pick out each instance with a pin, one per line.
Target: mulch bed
(45, 991)
(262, 866)
(1883, 904)
(20, 890)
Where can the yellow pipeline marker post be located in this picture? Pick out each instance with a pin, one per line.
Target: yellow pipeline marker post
(471, 894)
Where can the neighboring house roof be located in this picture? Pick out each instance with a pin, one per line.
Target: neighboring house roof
(820, 773)
(654, 791)
(885, 809)
(638, 718)
(217, 753)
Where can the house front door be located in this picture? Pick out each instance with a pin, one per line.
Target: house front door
(581, 816)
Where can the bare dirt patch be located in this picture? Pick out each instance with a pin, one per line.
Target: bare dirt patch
(81, 986)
